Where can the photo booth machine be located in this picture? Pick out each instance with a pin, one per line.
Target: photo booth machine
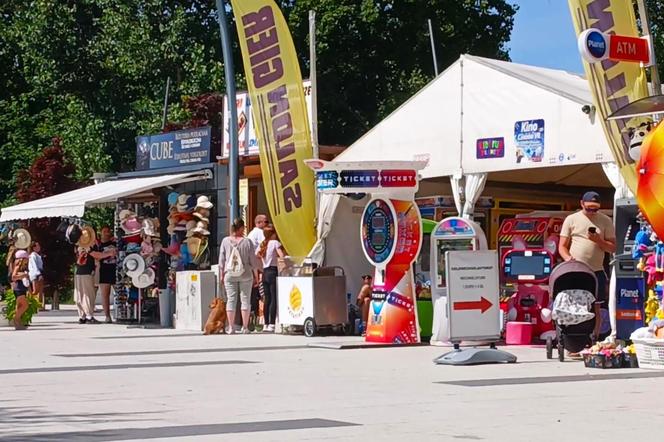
(391, 236)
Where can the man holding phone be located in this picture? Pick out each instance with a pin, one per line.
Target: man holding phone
(586, 236)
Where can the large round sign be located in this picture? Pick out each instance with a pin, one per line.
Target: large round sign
(593, 45)
(378, 231)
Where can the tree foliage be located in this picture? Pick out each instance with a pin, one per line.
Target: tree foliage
(93, 72)
(374, 54)
(50, 173)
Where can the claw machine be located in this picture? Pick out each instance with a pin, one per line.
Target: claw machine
(450, 234)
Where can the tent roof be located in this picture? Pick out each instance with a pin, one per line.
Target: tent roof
(478, 98)
(73, 204)
(566, 84)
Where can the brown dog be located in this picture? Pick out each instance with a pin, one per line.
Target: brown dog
(217, 318)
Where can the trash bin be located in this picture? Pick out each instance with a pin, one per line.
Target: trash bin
(165, 308)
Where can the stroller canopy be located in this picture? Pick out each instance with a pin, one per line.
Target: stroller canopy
(572, 275)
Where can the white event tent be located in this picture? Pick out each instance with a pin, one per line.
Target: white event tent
(475, 99)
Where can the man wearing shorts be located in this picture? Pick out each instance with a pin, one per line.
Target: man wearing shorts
(586, 236)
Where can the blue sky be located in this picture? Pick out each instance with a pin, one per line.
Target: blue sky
(543, 35)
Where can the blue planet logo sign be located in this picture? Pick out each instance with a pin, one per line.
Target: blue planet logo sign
(593, 45)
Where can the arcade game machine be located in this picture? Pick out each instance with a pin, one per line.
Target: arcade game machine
(628, 285)
(453, 233)
(527, 270)
(528, 248)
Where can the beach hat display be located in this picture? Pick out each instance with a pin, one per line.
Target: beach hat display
(88, 237)
(182, 202)
(133, 264)
(22, 239)
(203, 202)
(144, 280)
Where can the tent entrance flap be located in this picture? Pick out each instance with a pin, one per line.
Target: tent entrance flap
(73, 204)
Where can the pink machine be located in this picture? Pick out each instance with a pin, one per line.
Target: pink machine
(528, 269)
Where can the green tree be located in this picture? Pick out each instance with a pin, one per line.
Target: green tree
(93, 73)
(656, 12)
(374, 54)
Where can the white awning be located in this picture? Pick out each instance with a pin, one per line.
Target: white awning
(73, 204)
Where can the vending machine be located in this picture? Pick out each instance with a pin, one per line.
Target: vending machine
(453, 233)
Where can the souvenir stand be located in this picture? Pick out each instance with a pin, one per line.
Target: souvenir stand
(391, 236)
(165, 220)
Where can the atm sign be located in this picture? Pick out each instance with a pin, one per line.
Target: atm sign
(629, 49)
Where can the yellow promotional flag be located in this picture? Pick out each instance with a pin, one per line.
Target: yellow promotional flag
(613, 84)
(280, 114)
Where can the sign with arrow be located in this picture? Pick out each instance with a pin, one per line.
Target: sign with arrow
(473, 291)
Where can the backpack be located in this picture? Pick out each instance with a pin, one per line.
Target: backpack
(234, 266)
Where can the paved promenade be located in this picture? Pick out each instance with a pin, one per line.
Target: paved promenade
(62, 381)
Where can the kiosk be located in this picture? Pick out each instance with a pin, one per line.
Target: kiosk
(450, 234)
(391, 236)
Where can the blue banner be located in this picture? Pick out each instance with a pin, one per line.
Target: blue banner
(181, 148)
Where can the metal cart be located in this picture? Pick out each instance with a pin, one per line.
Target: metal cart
(314, 301)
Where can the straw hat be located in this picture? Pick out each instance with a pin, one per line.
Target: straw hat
(134, 264)
(88, 237)
(22, 239)
(204, 202)
(194, 245)
(201, 227)
(144, 279)
(201, 216)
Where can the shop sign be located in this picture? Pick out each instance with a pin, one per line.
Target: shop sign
(472, 290)
(593, 45)
(181, 148)
(529, 140)
(490, 148)
(596, 46)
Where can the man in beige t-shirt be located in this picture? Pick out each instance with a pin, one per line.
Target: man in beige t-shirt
(586, 236)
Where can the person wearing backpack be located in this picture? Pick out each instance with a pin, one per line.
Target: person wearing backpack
(239, 269)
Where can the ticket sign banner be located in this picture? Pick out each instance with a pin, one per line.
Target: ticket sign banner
(393, 313)
(367, 180)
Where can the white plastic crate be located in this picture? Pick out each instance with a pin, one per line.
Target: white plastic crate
(650, 353)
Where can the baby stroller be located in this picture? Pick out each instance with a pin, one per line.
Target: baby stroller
(567, 276)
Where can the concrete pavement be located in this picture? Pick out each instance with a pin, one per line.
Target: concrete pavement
(65, 381)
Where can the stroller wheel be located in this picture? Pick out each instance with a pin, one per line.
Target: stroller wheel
(561, 352)
(549, 347)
